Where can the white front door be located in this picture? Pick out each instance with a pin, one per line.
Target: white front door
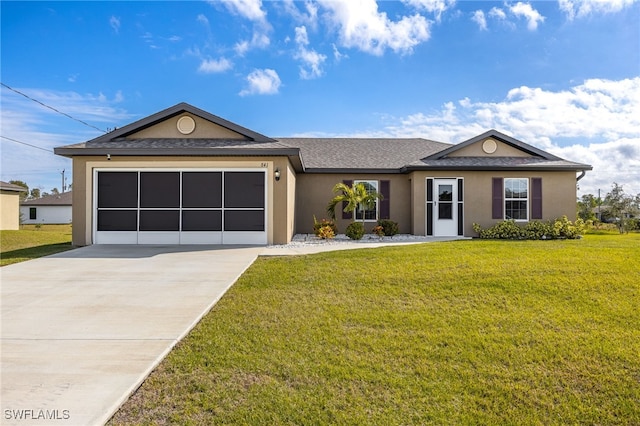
(445, 218)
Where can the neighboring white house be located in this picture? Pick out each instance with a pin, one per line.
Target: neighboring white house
(51, 209)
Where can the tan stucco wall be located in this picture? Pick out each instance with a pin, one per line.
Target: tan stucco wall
(558, 196)
(502, 150)
(204, 129)
(280, 220)
(316, 190)
(9, 210)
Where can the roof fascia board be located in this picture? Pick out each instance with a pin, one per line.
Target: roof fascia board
(173, 111)
(501, 168)
(502, 138)
(179, 152)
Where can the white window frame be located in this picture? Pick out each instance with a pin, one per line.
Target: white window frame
(376, 185)
(518, 199)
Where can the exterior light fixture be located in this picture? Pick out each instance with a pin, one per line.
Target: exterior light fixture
(108, 156)
(276, 174)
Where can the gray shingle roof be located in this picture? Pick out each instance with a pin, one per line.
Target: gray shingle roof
(6, 186)
(329, 155)
(361, 153)
(63, 199)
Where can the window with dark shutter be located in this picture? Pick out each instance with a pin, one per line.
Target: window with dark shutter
(385, 203)
(346, 215)
(497, 200)
(536, 198)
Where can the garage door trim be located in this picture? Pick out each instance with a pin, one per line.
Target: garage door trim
(180, 236)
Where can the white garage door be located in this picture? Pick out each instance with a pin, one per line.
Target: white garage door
(180, 207)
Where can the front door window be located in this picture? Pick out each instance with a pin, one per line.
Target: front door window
(445, 201)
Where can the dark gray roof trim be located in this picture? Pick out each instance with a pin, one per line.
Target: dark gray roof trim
(496, 163)
(176, 110)
(502, 138)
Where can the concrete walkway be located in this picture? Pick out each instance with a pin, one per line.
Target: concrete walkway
(82, 329)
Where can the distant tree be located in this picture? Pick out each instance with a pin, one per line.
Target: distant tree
(587, 206)
(23, 195)
(35, 193)
(621, 207)
(55, 191)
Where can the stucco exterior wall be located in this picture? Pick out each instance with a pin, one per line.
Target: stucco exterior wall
(280, 221)
(203, 129)
(47, 214)
(9, 210)
(558, 196)
(315, 190)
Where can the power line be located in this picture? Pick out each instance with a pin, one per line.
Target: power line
(52, 108)
(24, 143)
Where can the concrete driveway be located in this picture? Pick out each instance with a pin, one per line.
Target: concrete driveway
(82, 329)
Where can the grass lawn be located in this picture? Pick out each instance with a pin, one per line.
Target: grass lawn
(31, 242)
(465, 332)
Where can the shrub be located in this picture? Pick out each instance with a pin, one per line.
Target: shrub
(325, 229)
(355, 230)
(509, 230)
(389, 226)
(378, 230)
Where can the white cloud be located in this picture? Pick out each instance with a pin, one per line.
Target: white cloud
(29, 122)
(583, 8)
(311, 60)
(596, 122)
(114, 22)
(309, 18)
(479, 18)
(262, 82)
(360, 25)
(211, 66)
(249, 9)
(497, 13)
(524, 10)
(437, 7)
(203, 20)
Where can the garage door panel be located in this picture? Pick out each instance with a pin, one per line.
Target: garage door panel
(159, 189)
(180, 207)
(202, 189)
(202, 220)
(244, 220)
(244, 190)
(159, 220)
(118, 190)
(117, 220)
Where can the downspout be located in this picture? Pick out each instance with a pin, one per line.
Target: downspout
(584, 172)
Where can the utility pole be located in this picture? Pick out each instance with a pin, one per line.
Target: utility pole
(63, 180)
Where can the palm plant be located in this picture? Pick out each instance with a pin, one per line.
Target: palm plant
(356, 196)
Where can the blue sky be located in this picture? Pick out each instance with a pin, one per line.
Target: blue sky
(561, 75)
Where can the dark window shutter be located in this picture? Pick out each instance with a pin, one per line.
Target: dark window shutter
(429, 207)
(346, 215)
(536, 198)
(385, 203)
(460, 190)
(497, 203)
(429, 189)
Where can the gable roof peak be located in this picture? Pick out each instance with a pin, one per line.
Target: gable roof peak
(177, 109)
(495, 134)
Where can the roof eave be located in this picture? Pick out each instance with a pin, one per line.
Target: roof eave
(549, 168)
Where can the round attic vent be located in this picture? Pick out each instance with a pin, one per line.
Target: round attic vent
(489, 146)
(186, 125)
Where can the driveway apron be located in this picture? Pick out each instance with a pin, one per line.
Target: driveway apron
(81, 330)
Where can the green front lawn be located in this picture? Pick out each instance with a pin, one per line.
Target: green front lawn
(465, 332)
(31, 242)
